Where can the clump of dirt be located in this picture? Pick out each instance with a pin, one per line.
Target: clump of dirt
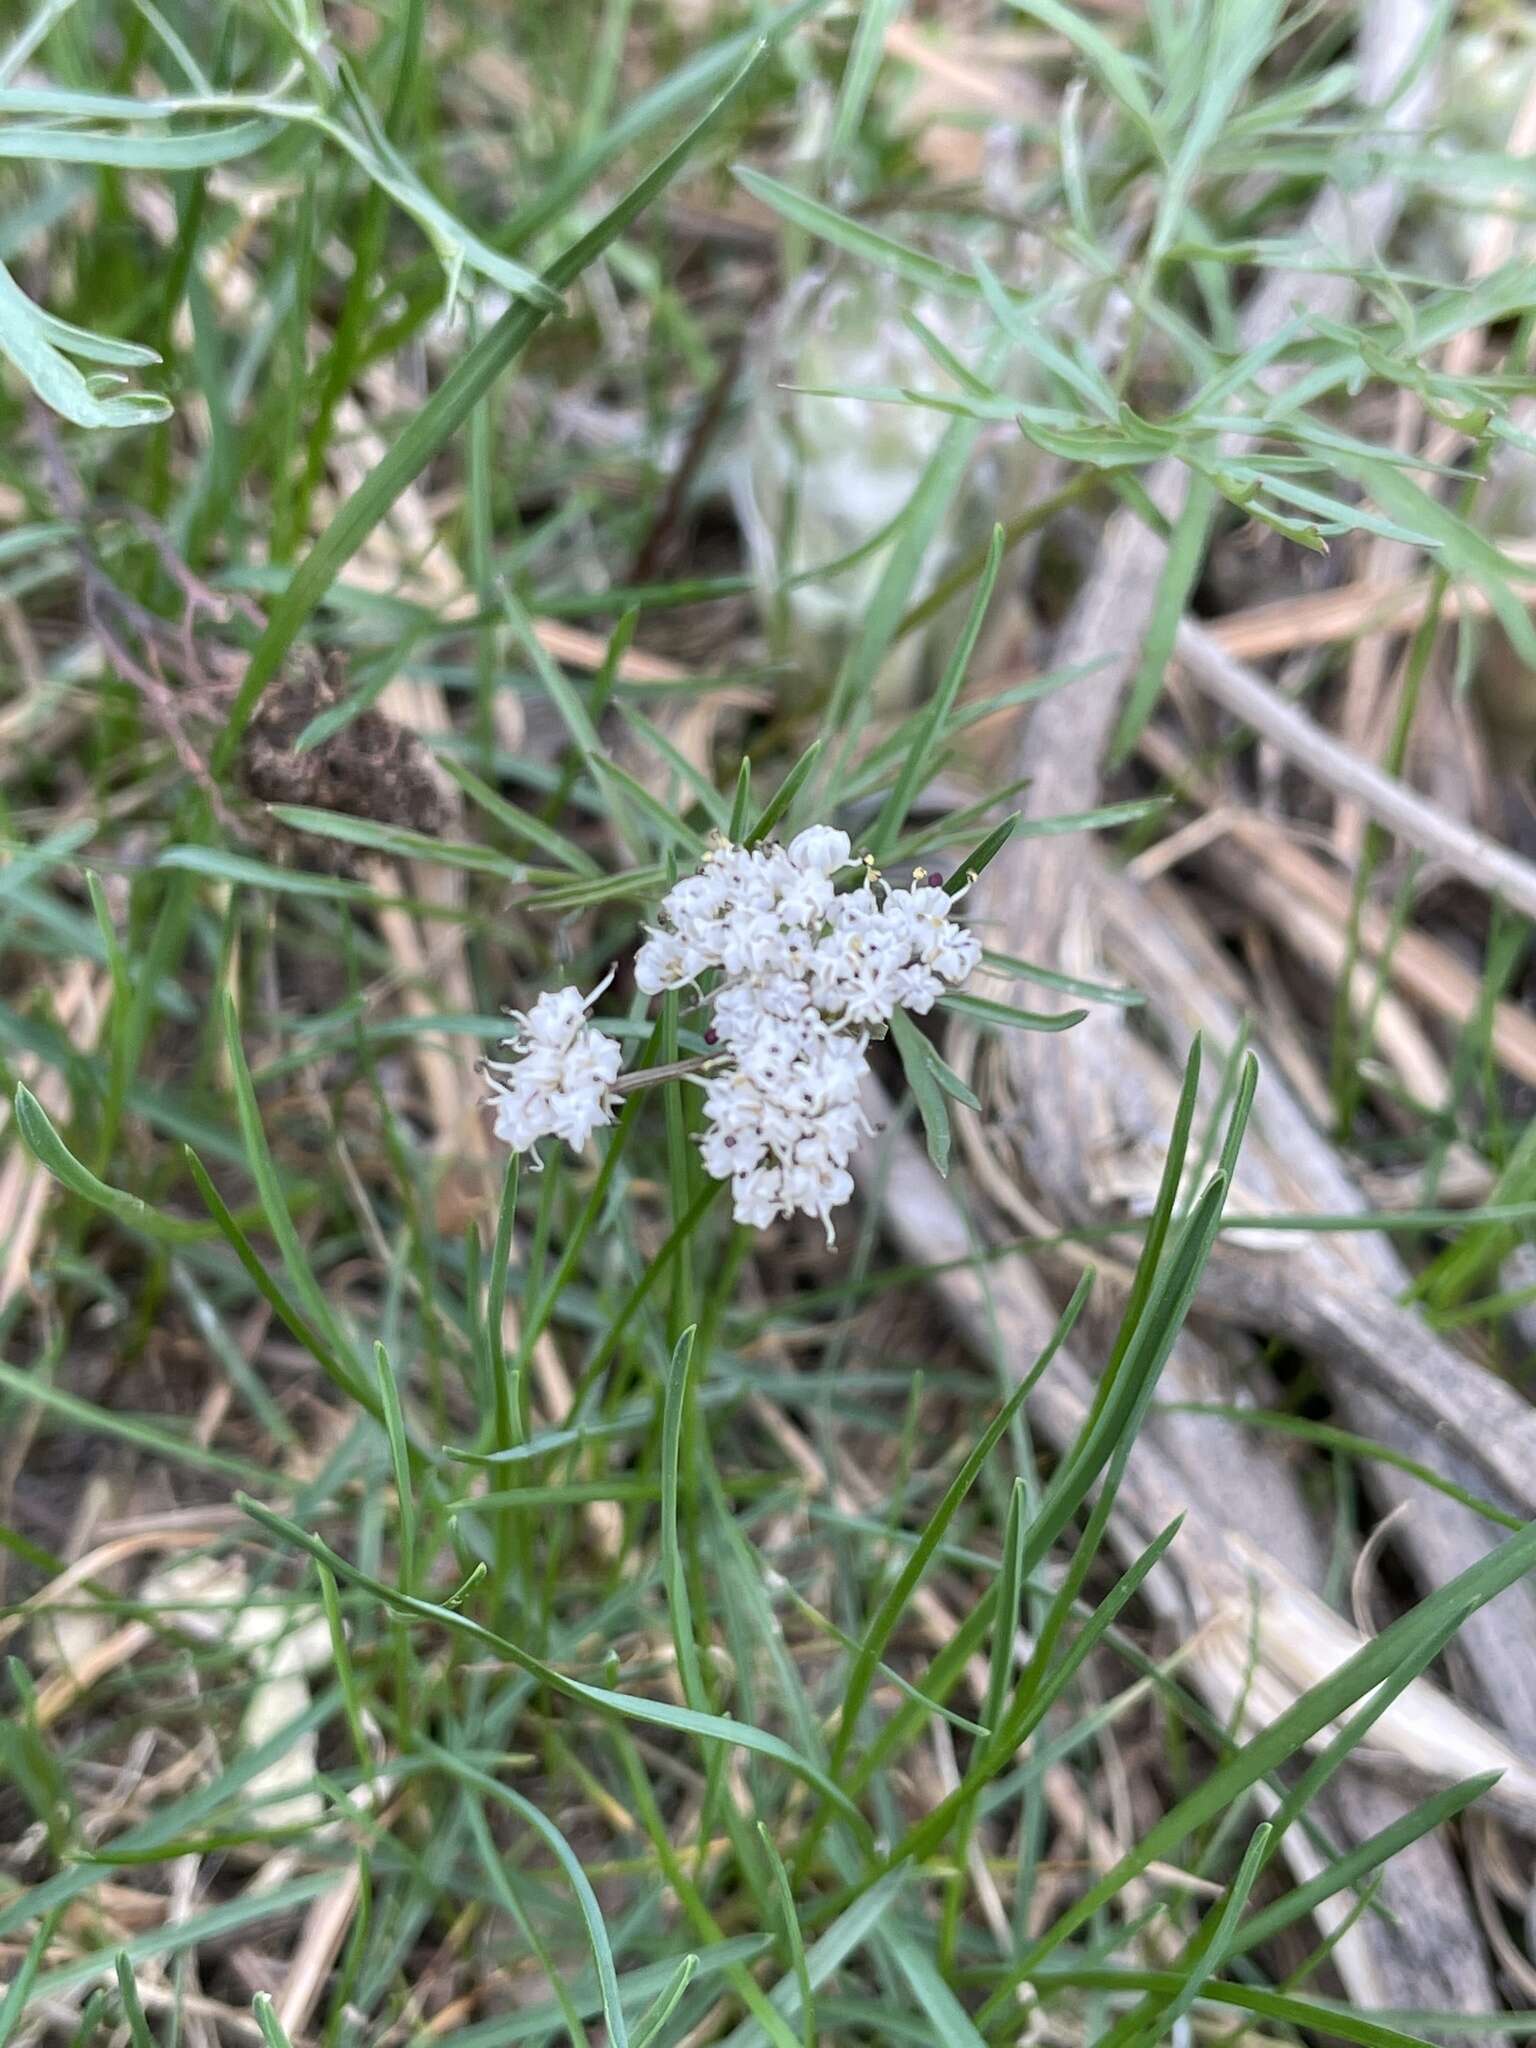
(372, 767)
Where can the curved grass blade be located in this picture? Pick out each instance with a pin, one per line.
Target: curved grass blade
(133, 2006)
(34, 343)
(349, 1382)
(1314, 2016)
(650, 111)
(792, 1936)
(674, 1577)
(38, 143)
(581, 1885)
(1347, 1870)
(985, 1011)
(1332, 1438)
(144, 1436)
(666, 2003)
(1204, 1956)
(55, 1157)
(258, 1158)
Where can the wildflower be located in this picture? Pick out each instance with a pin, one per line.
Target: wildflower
(560, 1084)
(821, 848)
(803, 975)
(800, 975)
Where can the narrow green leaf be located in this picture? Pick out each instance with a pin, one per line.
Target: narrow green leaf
(1212, 1944)
(985, 1011)
(51, 1153)
(148, 1438)
(1181, 569)
(784, 796)
(341, 1375)
(918, 765)
(264, 2012)
(828, 225)
(952, 2025)
(32, 341)
(674, 1575)
(1463, 551)
(848, 1932)
(581, 1885)
(875, 17)
(670, 828)
(1346, 1871)
(520, 823)
(268, 1186)
(792, 1937)
(37, 143)
(1164, 1203)
(715, 809)
(895, 1600)
(1101, 819)
(243, 870)
(981, 857)
(741, 802)
(666, 2003)
(18, 1992)
(400, 1461)
(398, 842)
(1312, 2015)
(1116, 73)
(1406, 1643)
(1068, 984)
(921, 1079)
(952, 1084)
(1005, 1626)
(653, 110)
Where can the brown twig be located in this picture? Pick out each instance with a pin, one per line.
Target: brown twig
(1243, 692)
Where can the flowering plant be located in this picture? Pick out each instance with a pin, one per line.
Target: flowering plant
(797, 974)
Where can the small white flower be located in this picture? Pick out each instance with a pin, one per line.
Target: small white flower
(559, 1084)
(666, 961)
(816, 1189)
(917, 988)
(757, 1198)
(804, 898)
(822, 848)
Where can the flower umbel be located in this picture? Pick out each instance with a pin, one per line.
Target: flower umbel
(804, 975)
(801, 977)
(560, 1084)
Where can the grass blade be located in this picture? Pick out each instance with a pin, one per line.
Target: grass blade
(55, 1157)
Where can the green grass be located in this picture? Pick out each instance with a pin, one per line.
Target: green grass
(627, 1724)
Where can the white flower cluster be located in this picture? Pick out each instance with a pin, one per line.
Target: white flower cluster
(560, 1085)
(803, 975)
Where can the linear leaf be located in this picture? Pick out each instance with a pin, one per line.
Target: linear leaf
(51, 1153)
